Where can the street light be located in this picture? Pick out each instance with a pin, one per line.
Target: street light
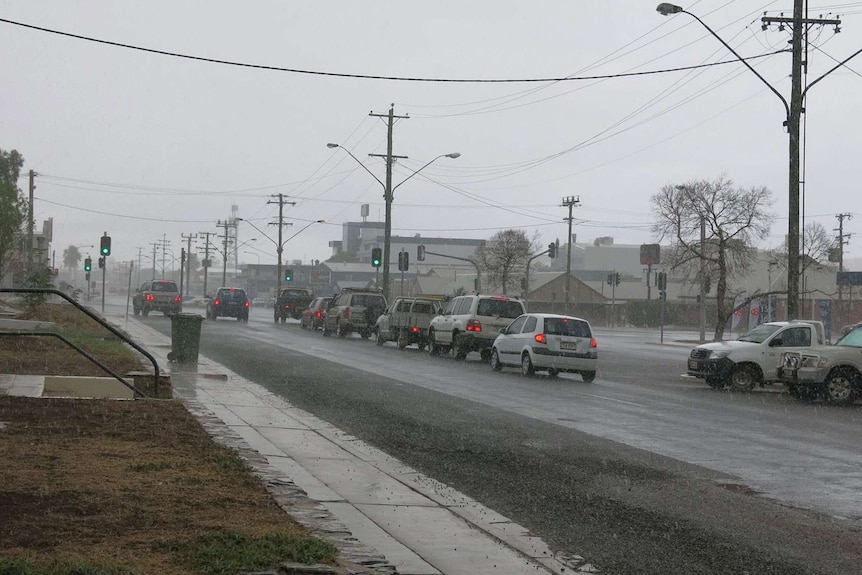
(280, 246)
(793, 111)
(388, 192)
(254, 254)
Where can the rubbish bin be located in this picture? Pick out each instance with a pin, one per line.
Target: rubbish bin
(185, 337)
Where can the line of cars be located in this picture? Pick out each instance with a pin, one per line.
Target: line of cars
(497, 327)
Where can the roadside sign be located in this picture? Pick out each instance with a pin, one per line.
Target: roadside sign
(849, 279)
(650, 254)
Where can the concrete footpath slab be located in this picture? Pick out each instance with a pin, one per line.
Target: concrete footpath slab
(378, 511)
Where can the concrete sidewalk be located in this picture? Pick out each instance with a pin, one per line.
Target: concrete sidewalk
(377, 511)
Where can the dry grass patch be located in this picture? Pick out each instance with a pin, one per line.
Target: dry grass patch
(104, 487)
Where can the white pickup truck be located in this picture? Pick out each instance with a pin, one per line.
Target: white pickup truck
(755, 357)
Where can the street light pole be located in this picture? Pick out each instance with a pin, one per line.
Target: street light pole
(793, 113)
(279, 245)
(388, 196)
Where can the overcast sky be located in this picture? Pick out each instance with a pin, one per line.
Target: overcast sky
(150, 147)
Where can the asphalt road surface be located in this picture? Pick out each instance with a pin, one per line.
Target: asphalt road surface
(639, 472)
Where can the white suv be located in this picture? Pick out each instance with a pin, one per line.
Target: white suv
(472, 323)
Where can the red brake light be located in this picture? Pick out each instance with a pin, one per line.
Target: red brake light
(415, 329)
(178, 299)
(540, 338)
(473, 325)
(217, 302)
(232, 290)
(499, 299)
(593, 342)
(150, 297)
(247, 304)
(318, 314)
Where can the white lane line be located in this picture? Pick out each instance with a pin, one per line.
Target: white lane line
(617, 400)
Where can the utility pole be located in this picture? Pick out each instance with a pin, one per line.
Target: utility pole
(702, 321)
(138, 277)
(280, 245)
(387, 193)
(155, 247)
(800, 24)
(569, 202)
(842, 240)
(226, 240)
(206, 262)
(188, 239)
(31, 224)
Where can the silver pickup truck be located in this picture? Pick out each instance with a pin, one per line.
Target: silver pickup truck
(406, 321)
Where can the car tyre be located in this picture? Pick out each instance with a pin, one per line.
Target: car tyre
(496, 365)
(589, 376)
(458, 347)
(716, 382)
(485, 354)
(380, 340)
(802, 392)
(339, 331)
(842, 386)
(744, 378)
(552, 373)
(433, 346)
(527, 368)
(145, 312)
(136, 310)
(326, 332)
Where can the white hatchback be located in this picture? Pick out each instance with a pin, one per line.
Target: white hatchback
(546, 341)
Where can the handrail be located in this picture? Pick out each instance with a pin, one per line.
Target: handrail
(102, 322)
(76, 348)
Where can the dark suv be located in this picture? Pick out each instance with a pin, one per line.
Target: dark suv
(229, 302)
(157, 295)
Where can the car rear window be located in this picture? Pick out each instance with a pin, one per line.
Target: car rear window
(500, 308)
(367, 300)
(423, 307)
(567, 326)
(164, 286)
(228, 295)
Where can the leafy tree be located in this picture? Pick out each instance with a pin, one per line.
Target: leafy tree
(504, 257)
(13, 210)
(72, 258)
(735, 218)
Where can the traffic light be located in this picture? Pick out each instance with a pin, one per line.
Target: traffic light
(662, 281)
(552, 250)
(288, 275)
(376, 256)
(105, 245)
(610, 279)
(617, 277)
(88, 264)
(420, 253)
(102, 262)
(662, 295)
(403, 261)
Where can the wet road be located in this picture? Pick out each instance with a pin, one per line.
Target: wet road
(553, 455)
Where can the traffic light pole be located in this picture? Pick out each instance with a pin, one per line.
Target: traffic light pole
(527, 273)
(104, 267)
(478, 284)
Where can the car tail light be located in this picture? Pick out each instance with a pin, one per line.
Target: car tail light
(217, 302)
(593, 342)
(178, 299)
(318, 314)
(415, 329)
(150, 297)
(540, 338)
(473, 325)
(346, 313)
(247, 304)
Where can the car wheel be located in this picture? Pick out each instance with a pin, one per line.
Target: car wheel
(380, 340)
(495, 360)
(744, 378)
(485, 354)
(244, 318)
(145, 312)
(526, 365)
(339, 331)
(364, 334)
(136, 310)
(275, 318)
(326, 332)
(589, 376)
(842, 386)
(553, 372)
(458, 346)
(433, 346)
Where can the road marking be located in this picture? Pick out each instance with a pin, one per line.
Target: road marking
(617, 400)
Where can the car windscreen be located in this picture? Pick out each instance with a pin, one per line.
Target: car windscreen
(164, 286)
(852, 339)
(499, 308)
(567, 326)
(760, 333)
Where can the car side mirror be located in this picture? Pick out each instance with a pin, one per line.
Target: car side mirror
(504, 331)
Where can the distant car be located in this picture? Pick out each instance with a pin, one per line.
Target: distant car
(353, 310)
(471, 323)
(157, 295)
(228, 302)
(544, 341)
(833, 372)
(312, 316)
(258, 301)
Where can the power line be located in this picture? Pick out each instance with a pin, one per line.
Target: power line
(363, 76)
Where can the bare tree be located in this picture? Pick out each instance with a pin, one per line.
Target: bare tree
(734, 219)
(504, 257)
(13, 211)
(816, 244)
